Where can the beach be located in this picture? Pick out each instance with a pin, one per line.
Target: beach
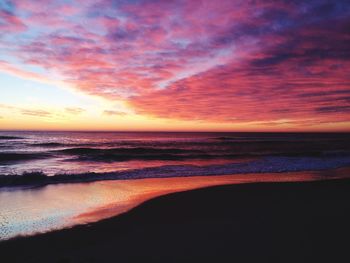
(257, 222)
(174, 197)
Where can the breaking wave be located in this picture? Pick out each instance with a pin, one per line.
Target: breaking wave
(264, 165)
(227, 151)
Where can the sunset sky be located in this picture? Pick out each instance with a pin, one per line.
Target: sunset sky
(201, 65)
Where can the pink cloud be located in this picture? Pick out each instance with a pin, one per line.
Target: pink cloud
(15, 71)
(237, 61)
(9, 23)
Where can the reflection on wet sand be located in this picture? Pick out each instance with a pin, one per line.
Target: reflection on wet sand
(29, 211)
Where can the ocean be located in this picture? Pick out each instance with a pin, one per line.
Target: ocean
(54, 180)
(130, 155)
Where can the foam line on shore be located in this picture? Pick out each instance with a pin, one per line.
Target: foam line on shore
(264, 165)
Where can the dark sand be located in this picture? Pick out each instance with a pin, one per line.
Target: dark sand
(265, 222)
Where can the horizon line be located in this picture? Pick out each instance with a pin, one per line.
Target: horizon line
(167, 131)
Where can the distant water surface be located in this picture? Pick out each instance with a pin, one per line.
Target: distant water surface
(81, 152)
(100, 152)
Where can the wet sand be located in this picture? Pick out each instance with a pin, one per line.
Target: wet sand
(29, 211)
(258, 222)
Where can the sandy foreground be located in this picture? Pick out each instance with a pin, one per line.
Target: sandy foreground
(255, 222)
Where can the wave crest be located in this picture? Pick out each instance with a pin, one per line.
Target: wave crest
(264, 165)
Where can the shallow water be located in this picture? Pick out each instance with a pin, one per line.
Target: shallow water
(35, 210)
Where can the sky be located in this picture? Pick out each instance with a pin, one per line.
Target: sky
(175, 65)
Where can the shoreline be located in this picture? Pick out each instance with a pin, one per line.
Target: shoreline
(259, 166)
(227, 217)
(31, 211)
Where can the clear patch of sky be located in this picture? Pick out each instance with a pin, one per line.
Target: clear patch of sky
(17, 91)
